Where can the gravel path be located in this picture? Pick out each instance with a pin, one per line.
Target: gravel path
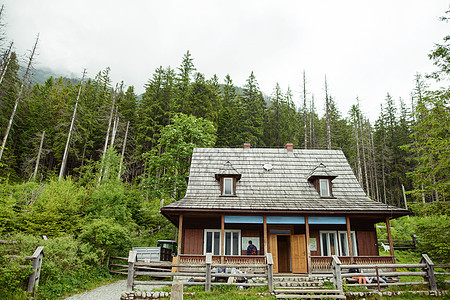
(106, 292)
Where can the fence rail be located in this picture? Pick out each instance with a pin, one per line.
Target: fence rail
(401, 244)
(426, 266)
(200, 268)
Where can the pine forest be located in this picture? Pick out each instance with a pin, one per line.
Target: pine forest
(88, 163)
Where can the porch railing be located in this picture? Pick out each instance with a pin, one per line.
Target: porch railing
(228, 259)
(322, 264)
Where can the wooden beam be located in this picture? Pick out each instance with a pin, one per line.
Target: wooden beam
(265, 236)
(308, 247)
(391, 244)
(180, 233)
(222, 238)
(349, 237)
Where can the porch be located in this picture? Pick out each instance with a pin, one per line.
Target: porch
(319, 264)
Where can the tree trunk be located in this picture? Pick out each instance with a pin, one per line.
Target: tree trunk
(327, 108)
(107, 134)
(305, 118)
(39, 156)
(123, 149)
(25, 77)
(5, 62)
(66, 150)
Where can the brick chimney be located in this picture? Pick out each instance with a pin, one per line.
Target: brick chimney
(289, 147)
(246, 145)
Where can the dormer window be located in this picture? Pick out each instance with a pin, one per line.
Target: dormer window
(324, 187)
(321, 178)
(227, 189)
(227, 177)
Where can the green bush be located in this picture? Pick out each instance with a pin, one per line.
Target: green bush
(107, 236)
(57, 210)
(434, 236)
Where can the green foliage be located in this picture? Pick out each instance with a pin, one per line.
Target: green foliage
(434, 233)
(56, 210)
(168, 163)
(106, 236)
(13, 276)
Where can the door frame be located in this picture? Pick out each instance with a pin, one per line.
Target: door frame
(273, 245)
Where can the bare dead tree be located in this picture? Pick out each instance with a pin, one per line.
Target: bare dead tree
(5, 62)
(123, 149)
(66, 149)
(327, 113)
(19, 95)
(107, 133)
(39, 155)
(305, 111)
(363, 150)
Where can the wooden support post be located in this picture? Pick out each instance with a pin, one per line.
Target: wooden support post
(308, 246)
(430, 271)
(269, 260)
(131, 261)
(336, 267)
(391, 244)
(265, 235)
(208, 272)
(349, 239)
(222, 238)
(180, 233)
(33, 280)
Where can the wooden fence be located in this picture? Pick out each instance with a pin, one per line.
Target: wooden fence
(400, 244)
(378, 271)
(36, 263)
(195, 273)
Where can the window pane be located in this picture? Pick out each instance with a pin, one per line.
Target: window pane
(343, 242)
(227, 186)
(216, 243)
(209, 242)
(324, 190)
(227, 243)
(355, 253)
(235, 243)
(332, 243)
(324, 244)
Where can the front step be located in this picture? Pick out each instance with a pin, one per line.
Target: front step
(310, 294)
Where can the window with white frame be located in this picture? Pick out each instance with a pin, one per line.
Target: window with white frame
(324, 187)
(228, 186)
(328, 243)
(212, 242)
(343, 243)
(336, 243)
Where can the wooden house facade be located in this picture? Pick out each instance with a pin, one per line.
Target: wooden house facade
(300, 205)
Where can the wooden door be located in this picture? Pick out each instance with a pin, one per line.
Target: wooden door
(298, 246)
(274, 250)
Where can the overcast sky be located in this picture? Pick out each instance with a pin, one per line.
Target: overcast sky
(365, 48)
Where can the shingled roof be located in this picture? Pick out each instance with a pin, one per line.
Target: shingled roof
(284, 188)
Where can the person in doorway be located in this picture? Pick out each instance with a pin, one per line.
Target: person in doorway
(251, 249)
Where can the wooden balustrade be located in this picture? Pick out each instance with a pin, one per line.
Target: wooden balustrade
(322, 264)
(193, 259)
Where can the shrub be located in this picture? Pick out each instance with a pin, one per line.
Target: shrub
(107, 236)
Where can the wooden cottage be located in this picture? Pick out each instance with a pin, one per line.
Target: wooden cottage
(300, 205)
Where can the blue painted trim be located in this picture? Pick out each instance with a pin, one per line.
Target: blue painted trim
(285, 220)
(327, 220)
(244, 219)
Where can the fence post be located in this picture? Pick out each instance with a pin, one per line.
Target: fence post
(208, 261)
(430, 271)
(33, 280)
(269, 260)
(131, 260)
(336, 266)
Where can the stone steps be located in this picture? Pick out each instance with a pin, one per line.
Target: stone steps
(309, 294)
